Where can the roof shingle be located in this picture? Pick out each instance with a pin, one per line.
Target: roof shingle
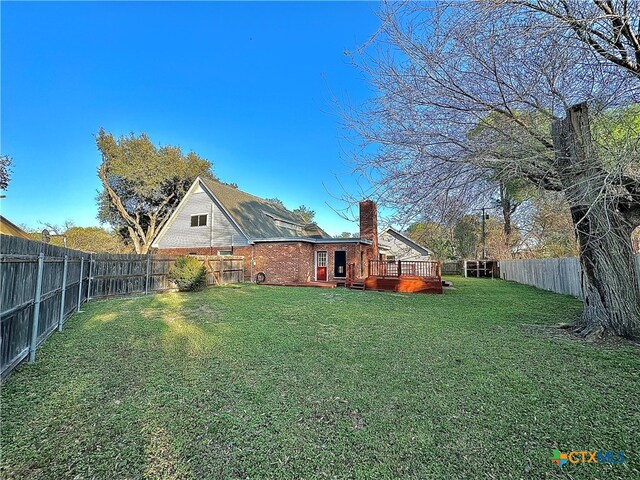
(260, 218)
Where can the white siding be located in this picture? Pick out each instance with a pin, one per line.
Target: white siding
(398, 248)
(218, 232)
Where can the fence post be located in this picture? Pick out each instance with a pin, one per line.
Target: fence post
(89, 278)
(146, 281)
(36, 310)
(223, 270)
(80, 284)
(64, 292)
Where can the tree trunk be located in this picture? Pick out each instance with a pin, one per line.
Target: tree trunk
(609, 278)
(507, 210)
(137, 244)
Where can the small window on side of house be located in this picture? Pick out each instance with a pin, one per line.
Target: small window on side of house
(391, 258)
(199, 220)
(224, 252)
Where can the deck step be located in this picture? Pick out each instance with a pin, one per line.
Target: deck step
(357, 286)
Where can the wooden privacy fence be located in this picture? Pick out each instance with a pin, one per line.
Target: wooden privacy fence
(223, 269)
(42, 284)
(454, 267)
(560, 275)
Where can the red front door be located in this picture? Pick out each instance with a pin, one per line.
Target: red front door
(321, 266)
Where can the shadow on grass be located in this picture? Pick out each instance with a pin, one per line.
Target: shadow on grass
(108, 397)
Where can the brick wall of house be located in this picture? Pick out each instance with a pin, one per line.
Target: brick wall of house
(284, 262)
(353, 256)
(292, 262)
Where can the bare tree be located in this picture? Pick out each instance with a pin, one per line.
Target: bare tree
(469, 91)
(5, 171)
(607, 28)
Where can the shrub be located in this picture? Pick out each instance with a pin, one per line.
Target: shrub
(188, 274)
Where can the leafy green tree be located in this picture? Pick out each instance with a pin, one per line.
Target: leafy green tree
(305, 213)
(143, 184)
(87, 239)
(95, 239)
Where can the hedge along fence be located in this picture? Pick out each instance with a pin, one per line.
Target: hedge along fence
(560, 275)
(41, 285)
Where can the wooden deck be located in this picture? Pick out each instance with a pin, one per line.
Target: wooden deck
(401, 276)
(404, 284)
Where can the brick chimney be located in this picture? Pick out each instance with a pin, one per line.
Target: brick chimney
(369, 225)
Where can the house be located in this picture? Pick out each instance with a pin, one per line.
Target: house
(396, 246)
(10, 228)
(217, 219)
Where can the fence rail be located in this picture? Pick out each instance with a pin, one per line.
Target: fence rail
(41, 285)
(560, 275)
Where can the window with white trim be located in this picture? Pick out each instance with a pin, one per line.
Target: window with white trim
(199, 220)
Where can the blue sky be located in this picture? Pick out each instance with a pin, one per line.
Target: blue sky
(248, 86)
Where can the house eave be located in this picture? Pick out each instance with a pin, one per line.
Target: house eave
(363, 241)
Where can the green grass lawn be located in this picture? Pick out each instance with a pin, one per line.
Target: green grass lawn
(277, 382)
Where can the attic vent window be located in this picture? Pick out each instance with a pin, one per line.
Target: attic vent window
(198, 220)
(290, 226)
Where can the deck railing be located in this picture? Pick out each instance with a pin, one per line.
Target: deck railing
(401, 268)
